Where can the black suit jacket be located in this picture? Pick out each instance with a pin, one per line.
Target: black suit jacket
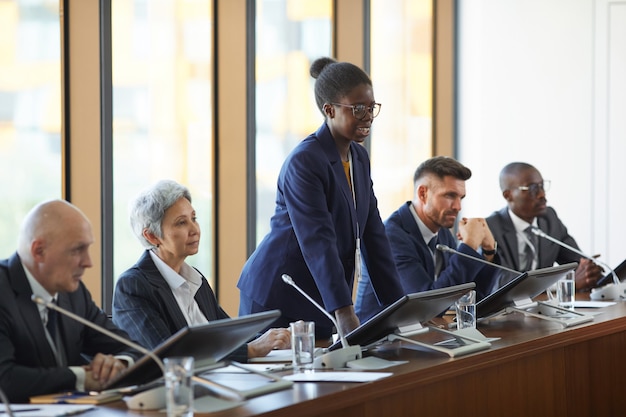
(27, 363)
(550, 253)
(144, 306)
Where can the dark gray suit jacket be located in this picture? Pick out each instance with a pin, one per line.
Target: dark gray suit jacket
(27, 363)
(550, 253)
(144, 306)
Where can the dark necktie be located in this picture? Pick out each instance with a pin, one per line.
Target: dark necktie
(530, 251)
(53, 330)
(437, 255)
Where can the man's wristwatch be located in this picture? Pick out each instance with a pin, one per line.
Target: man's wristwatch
(492, 251)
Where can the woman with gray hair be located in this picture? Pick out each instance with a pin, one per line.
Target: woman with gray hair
(161, 293)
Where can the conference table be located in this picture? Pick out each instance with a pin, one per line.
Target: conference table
(535, 367)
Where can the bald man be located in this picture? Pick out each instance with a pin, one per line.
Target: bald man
(52, 255)
(524, 190)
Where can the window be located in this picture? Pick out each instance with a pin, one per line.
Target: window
(290, 35)
(30, 111)
(162, 112)
(401, 71)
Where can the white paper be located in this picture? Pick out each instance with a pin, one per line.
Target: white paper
(47, 410)
(276, 355)
(592, 304)
(312, 376)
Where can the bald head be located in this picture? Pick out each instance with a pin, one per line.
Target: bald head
(510, 174)
(53, 245)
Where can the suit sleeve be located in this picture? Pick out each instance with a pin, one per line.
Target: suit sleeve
(378, 256)
(307, 185)
(137, 311)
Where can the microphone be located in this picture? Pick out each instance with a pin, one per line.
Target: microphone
(153, 398)
(7, 404)
(336, 358)
(445, 248)
(613, 291)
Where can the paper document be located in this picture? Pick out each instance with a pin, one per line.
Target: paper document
(337, 376)
(47, 410)
(592, 304)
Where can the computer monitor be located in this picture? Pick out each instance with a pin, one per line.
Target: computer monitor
(620, 272)
(207, 343)
(411, 309)
(526, 286)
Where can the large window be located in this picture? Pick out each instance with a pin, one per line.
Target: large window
(290, 34)
(401, 71)
(162, 112)
(30, 111)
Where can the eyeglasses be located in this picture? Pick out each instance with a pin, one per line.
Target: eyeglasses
(535, 187)
(359, 111)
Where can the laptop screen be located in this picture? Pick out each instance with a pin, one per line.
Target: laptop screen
(207, 343)
(528, 285)
(409, 310)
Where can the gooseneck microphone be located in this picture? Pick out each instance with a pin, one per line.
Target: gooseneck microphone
(615, 291)
(52, 306)
(444, 248)
(336, 358)
(7, 404)
(153, 398)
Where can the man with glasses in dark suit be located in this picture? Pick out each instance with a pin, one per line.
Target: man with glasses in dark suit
(519, 248)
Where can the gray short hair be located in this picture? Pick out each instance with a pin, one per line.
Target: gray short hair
(148, 209)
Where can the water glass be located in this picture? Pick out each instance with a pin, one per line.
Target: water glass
(566, 290)
(178, 388)
(302, 344)
(466, 311)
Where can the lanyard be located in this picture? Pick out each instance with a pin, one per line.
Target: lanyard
(357, 252)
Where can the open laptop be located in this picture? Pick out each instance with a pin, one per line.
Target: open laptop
(523, 288)
(411, 309)
(620, 272)
(207, 343)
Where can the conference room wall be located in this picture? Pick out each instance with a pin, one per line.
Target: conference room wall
(543, 82)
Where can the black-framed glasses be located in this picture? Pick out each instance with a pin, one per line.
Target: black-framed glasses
(359, 111)
(534, 187)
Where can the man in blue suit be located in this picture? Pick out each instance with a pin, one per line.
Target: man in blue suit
(418, 226)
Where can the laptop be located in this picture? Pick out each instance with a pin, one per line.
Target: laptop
(207, 343)
(620, 271)
(410, 310)
(526, 286)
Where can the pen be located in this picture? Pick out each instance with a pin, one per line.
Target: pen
(21, 411)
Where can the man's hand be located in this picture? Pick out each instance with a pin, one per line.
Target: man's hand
(101, 370)
(278, 338)
(587, 274)
(475, 233)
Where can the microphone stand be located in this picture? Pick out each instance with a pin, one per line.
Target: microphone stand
(7, 404)
(614, 291)
(445, 248)
(337, 358)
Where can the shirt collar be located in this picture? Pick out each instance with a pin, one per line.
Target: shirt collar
(427, 234)
(520, 224)
(173, 278)
(38, 290)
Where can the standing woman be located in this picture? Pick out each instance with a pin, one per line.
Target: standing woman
(325, 210)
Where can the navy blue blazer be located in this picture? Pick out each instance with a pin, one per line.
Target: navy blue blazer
(550, 253)
(416, 267)
(313, 235)
(144, 306)
(27, 363)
